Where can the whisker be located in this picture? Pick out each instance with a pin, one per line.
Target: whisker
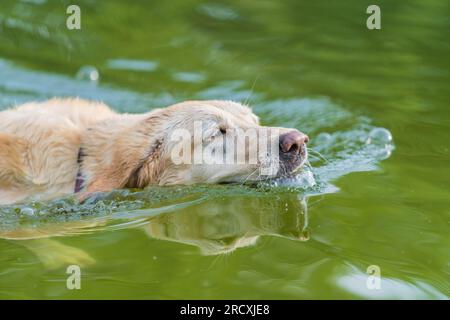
(247, 177)
(315, 153)
(313, 156)
(247, 99)
(308, 164)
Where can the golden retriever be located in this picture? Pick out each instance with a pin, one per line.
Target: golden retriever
(65, 146)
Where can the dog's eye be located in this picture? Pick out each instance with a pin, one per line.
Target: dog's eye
(223, 130)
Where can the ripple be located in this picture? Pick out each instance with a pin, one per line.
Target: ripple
(389, 288)
(191, 77)
(18, 85)
(132, 65)
(218, 12)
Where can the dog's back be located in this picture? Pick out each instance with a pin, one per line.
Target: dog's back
(39, 144)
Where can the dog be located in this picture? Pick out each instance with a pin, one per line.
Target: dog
(73, 146)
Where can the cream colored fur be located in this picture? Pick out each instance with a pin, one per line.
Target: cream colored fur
(40, 142)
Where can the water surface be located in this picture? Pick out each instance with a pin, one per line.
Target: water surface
(314, 66)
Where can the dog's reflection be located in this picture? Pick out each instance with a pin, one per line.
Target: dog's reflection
(218, 225)
(223, 225)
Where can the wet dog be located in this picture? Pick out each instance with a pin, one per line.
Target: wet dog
(64, 146)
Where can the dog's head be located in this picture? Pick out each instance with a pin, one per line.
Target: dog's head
(196, 142)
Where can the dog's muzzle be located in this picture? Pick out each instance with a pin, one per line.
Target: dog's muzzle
(292, 150)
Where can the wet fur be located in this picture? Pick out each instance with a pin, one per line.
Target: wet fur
(40, 143)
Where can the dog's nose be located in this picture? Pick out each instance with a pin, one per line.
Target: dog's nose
(292, 141)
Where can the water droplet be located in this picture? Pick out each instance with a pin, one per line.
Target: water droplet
(88, 73)
(27, 211)
(379, 136)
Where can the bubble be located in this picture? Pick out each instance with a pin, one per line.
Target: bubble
(27, 211)
(379, 136)
(88, 73)
(384, 153)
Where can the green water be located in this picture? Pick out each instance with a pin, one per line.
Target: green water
(311, 65)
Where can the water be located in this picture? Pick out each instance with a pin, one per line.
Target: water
(375, 104)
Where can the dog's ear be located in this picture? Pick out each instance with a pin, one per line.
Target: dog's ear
(149, 168)
(126, 153)
(130, 170)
